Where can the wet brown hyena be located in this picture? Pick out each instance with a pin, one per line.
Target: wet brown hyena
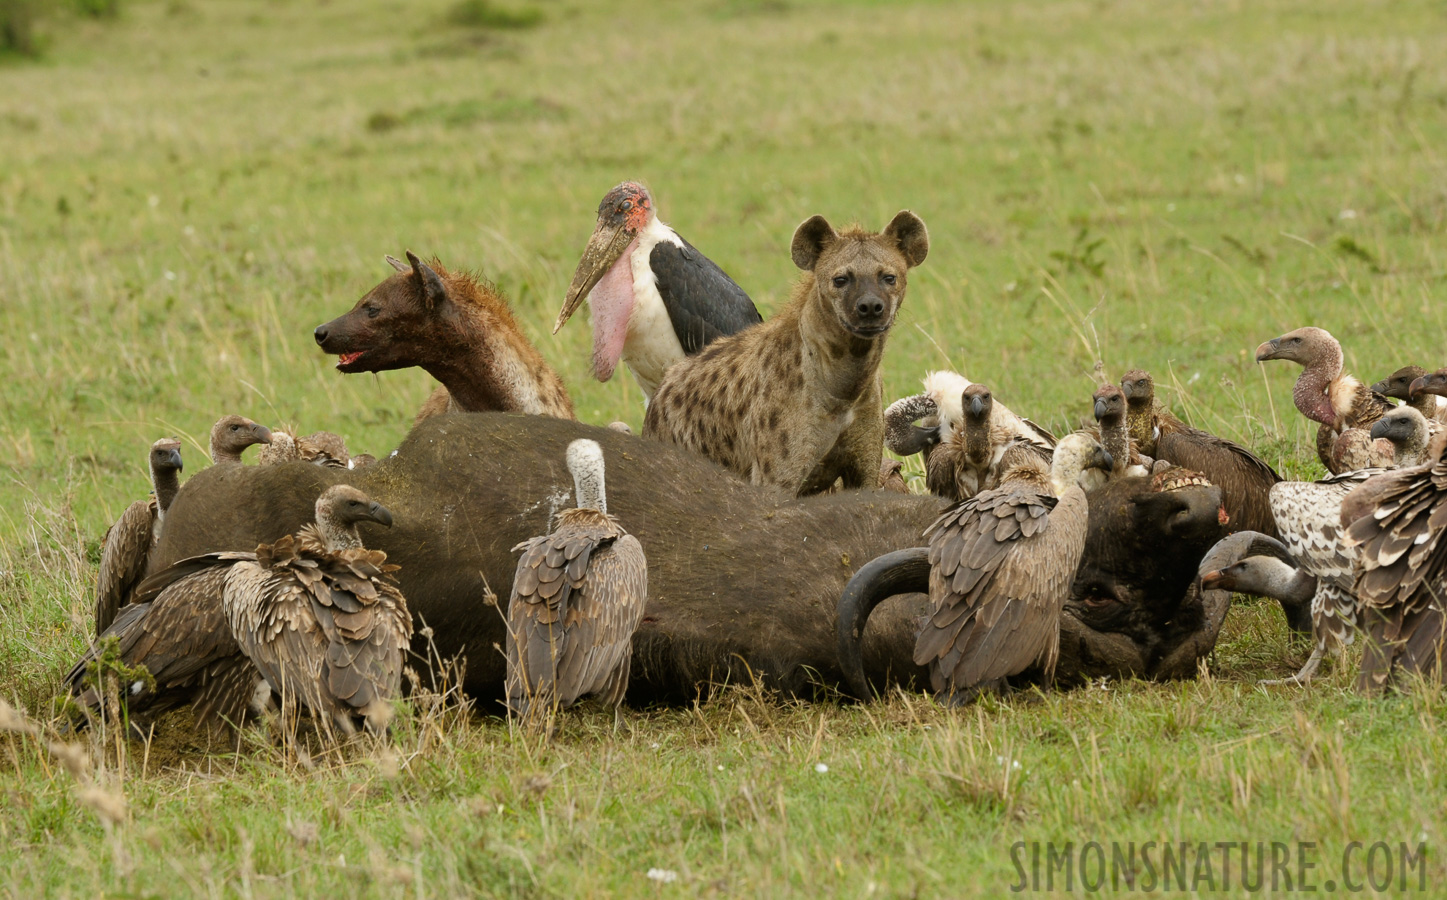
(795, 402)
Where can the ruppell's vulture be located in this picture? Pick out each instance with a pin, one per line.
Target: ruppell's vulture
(1244, 478)
(654, 297)
(233, 434)
(127, 544)
(1308, 518)
(943, 411)
(577, 598)
(1401, 574)
(1001, 567)
(321, 616)
(1324, 394)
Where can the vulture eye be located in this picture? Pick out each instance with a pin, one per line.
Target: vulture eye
(889, 279)
(841, 280)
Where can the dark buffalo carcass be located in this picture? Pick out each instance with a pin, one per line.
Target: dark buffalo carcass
(742, 581)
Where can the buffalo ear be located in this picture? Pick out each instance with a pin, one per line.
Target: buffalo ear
(397, 264)
(433, 290)
(810, 241)
(908, 232)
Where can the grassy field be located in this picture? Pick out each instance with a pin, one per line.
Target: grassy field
(186, 191)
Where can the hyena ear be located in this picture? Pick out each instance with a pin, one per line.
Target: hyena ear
(810, 239)
(907, 230)
(397, 264)
(433, 291)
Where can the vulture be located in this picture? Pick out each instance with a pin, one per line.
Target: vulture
(1249, 562)
(1398, 386)
(177, 630)
(654, 297)
(321, 617)
(891, 476)
(1432, 384)
(361, 460)
(942, 407)
(1409, 433)
(1324, 394)
(233, 434)
(1109, 409)
(1401, 573)
(280, 449)
(1242, 476)
(322, 448)
(968, 459)
(1001, 565)
(127, 544)
(1308, 518)
(577, 598)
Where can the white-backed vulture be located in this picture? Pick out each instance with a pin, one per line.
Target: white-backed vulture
(941, 411)
(324, 448)
(1398, 386)
(1244, 478)
(1432, 384)
(280, 449)
(1409, 432)
(233, 434)
(577, 598)
(1401, 574)
(1250, 562)
(320, 616)
(1308, 518)
(177, 629)
(1001, 567)
(1108, 407)
(1323, 393)
(891, 476)
(127, 544)
(967, 459)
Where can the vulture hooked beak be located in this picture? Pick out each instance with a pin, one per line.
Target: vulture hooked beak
(1381, 428)
(263, 434)
(1432, 383)
(173, 458)
(977, 407)
(1099, 409)
(1101, 458)
(379, 514)
(1268, 350)
(1212, 581)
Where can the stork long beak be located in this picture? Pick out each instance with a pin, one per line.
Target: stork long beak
(1268, 350)
(603, 250)
(381, 515)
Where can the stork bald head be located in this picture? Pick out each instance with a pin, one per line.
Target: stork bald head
(625, 211)
(233, 434)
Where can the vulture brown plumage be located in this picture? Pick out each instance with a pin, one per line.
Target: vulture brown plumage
(968, 458)
(1308, 519)
(577, 598)
(177, 629)
(233, 434)
(1401, 574)
(1001, 568)
(1433, 385)
(1324, 394)
(940, 410)
(1244, 478)
(321, 617)
(127, 544)
(1109, 409)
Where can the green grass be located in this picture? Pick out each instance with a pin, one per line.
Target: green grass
(189, 189)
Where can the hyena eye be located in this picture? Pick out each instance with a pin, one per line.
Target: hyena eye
(889, 279)
(841, 280)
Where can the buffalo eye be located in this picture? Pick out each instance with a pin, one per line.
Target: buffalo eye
(889, 279)
(841, 280)
(373, 312)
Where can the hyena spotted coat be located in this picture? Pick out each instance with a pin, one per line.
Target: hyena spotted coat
(795, 402)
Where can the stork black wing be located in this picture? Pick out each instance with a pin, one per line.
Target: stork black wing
(702, 300)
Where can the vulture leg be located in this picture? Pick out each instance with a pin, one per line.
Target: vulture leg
(1303, 677)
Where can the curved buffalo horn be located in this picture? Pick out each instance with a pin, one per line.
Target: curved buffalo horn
(900, 572)
(901, 435)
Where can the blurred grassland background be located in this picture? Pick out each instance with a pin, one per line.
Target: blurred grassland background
(188, 187)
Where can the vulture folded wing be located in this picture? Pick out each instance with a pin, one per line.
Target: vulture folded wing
(537, 611)
(605, 613)
(1244, 478)
(270, 611)
(124, 551)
